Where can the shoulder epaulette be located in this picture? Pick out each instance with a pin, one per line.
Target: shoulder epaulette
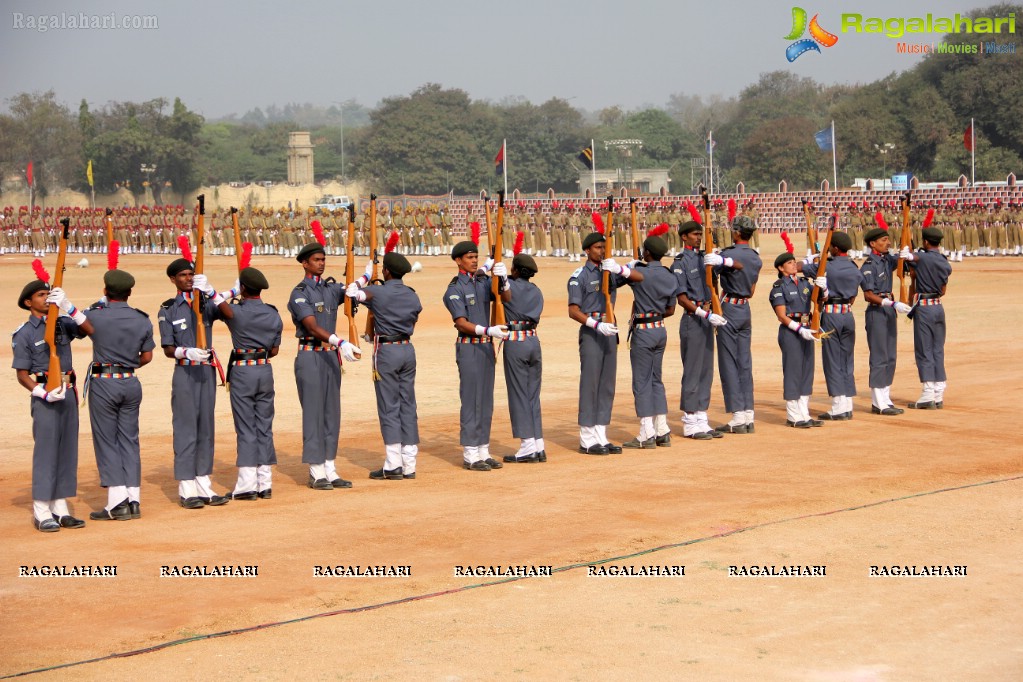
(270, 305)
(141, 312)
(577, 272)
(453, 280)
(777, 283)
(167, 304)
(19, 328)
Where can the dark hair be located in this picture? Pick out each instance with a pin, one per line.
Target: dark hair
(115, 295)
(525, 273)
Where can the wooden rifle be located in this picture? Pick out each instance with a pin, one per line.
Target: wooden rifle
(811, 229)
(605, 282)
(637, 248)
(904, 242)
(370, 320)
(237, 238)
(54, 376)
(815, 295)
(350, 304)
(496, 247)
(708, 247)
(109, 221)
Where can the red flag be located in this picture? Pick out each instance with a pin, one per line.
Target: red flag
(499, 161)
(28, 173)
(967, 138)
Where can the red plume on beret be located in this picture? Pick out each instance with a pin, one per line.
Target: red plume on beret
(693, 213)
(318, 232)
(520, 239)
(879, 219)
(41, 274)
(659, 230)
(731, 210)
(113, 253)
(186, 250)
(928, 218)
(392, 241)
(474, 232)
(598, 222)
(246, 258)
(789, 246)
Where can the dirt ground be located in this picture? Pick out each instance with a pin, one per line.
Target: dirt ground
(925, 488)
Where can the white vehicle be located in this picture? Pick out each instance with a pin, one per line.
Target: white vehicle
(333, 202)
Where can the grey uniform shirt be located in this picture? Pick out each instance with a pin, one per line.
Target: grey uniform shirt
(177, 321)
(526, 304)
(793, 293)
(120, 333)
(689, 272)
(395, 308)
(656, 292)
(316, 297)
(844, 278)
(932, 271)
(877, 272)
(469, 297)
(584, 288)
(740, 283)
(255, 325)
(31, 352)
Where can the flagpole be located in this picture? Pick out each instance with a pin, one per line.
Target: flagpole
(973, 155)
(593, 166)
(504, 155)
(834, 156)
(710, 150)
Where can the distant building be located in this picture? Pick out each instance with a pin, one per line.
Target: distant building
(636, 180)
(300, 158)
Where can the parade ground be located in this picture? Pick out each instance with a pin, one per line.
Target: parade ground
(782, 555)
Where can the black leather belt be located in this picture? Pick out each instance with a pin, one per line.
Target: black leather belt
(928, 297)
(838, 301)
(257, 354)
(521, 326)
(643, 317)
(41, 377)
(392, 338)
(102, 368)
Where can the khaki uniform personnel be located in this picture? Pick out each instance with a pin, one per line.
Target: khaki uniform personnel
(386, 223)
(956, 235)
(392, 221)
(361, 242)
(227, 234)
(674, 220)
(1015, 233)
(447, 224)
(573, 235)
(541, 220)
(623, 225)
(527, 226)
(508, 236)
(856, 231)
(971, 239)
(753, 214)
(559, 223)
(409, 232)
(434, 236)
(997, 219)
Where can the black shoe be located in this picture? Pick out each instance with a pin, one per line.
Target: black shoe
(702, 435)
(189, 503)
(319, 484)
(889, 411)
(541, 456)
(637, 444)
(493, 463)
(594, 450)
(714, 433)
(266, 494)
(929, 405)
(613, 449)
(663, 441)
(215, 501)
(411, 476)
(797, 425)
(750, 428)
(250, 495)
(840, 417)
(135, 509)
(728, 428)
(527, 459)
(939, 404)
(68, 521)
(476, 466)
(386, 474)
(340, 483)
(118, 513)
(815, 423)
(46, 525)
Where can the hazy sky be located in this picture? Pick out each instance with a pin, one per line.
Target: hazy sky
(223, 58)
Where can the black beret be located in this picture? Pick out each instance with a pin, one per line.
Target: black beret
(873, 234)
(397, 264)
(253, 279)
(179, 265)
(593, 238)
(743, 223)
(690, 226)
(841, 241)
(524, 261)
(656, 246)
(118, 280)
(308, 250)
(30, 290)
(783, 258)
(462, 248)
(933, 234)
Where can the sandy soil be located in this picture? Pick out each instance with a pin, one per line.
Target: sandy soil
(799, 495)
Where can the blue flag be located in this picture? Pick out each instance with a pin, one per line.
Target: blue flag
(824, 140)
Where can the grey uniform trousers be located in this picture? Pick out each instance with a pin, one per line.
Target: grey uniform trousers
(882, 341)
(55, 453)
(797, 364)
(598, 365)
(396, 394)
(318, 376)
(114, 415)
(252, 405)
(523, 369)
(929, 342)
(476, 366)
(735, 361)
(193, 400)
(646, 354)
(696, 341)
(837, 353)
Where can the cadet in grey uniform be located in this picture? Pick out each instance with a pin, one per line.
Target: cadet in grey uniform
(122, 341)
(790, 299)
(255, 338)
(838, 290)
(931, 270)
(598, 343)
(523, 361)
(313, 306)
(881, 319)
(54, 413)
(396, 309)
(194, 383)
(654, 300)
(696, 333)
(468, 299)
(739, 269)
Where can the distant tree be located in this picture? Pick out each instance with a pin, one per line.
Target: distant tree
(41, 130)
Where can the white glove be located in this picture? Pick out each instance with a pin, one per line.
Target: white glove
(607, 329)
(499, 331)
(713, 259)
(202, 284)
(902, 308)
(809, 259)
(716, 320)
(611, 266)
(53, 396)
(906, 254)
(500, 269)
(353, 291)
(368, 273)
(59, 298)
(233, 292)
(349, 351)
(805, 333)
(334, 340)
(822, 282)
(632, 264)
(193, 354)
(487, 264)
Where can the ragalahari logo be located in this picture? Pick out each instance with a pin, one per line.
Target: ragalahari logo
(817, 35)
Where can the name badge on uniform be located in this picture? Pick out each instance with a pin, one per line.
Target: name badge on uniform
(183, 323)
(470, 299)
(39, 342)
(595, 285)
(319, 307)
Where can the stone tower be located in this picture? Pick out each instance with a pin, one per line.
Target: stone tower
(300, 158)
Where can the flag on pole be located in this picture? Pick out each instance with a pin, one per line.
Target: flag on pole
(499, 162)
(968, 137)
(710, 142)
(586, 156)
(824, 140)
(88, 173)
(28, 173)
